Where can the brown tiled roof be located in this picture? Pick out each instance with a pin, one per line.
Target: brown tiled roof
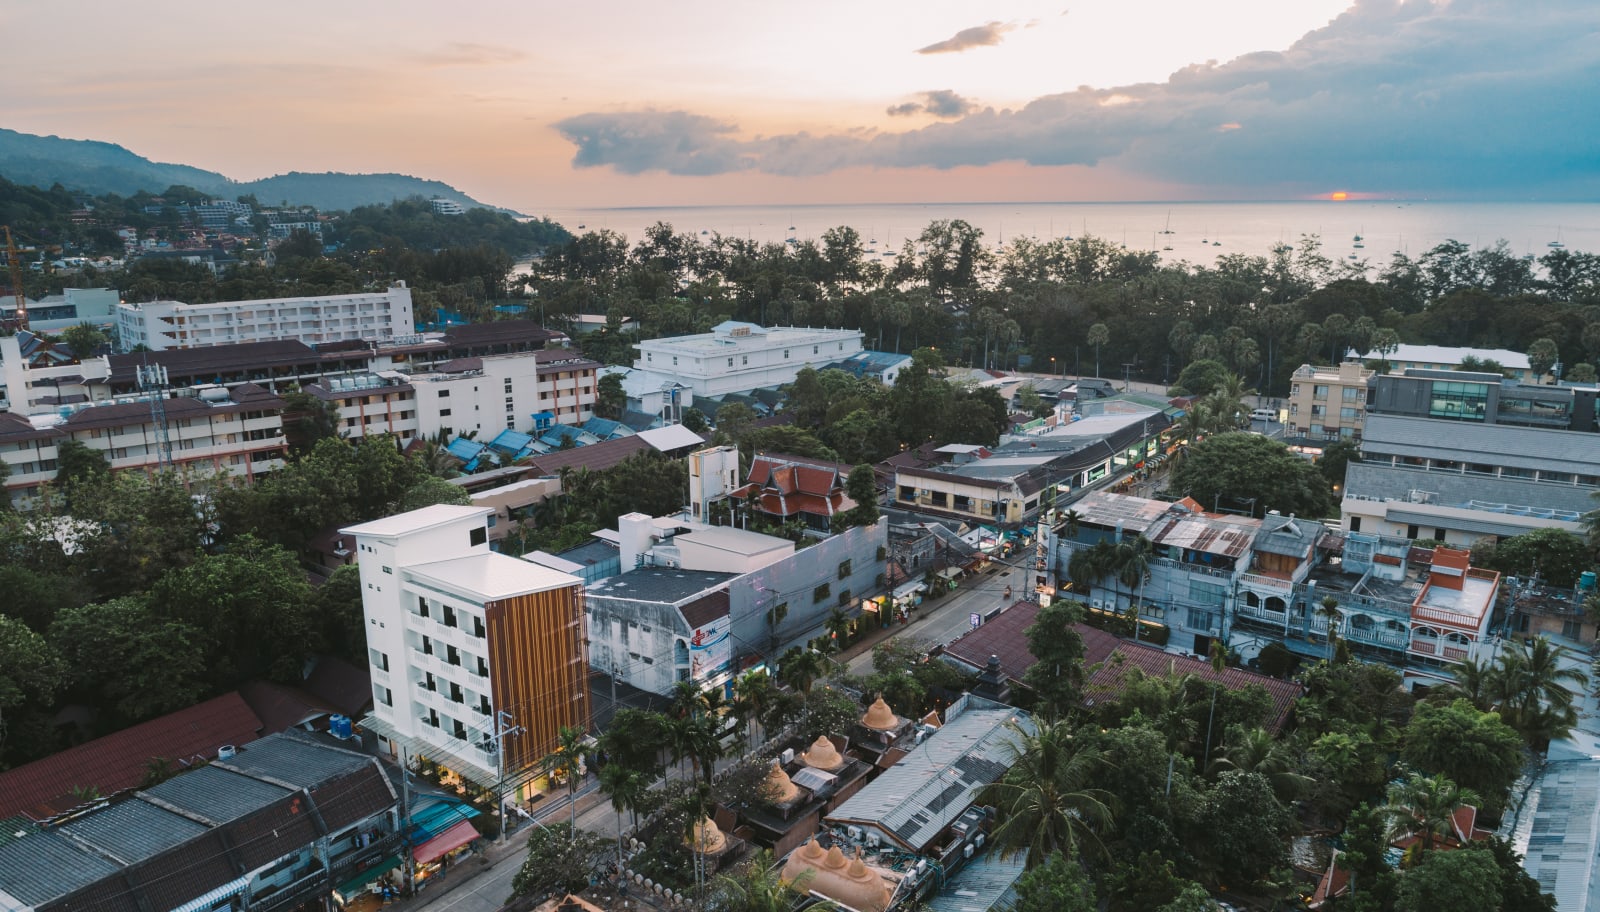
(594, 457)
(341, 685)
(44, 787)
(184, 364)
(14, 429)
(1155, 662)
(1006, 636)
(279, 707)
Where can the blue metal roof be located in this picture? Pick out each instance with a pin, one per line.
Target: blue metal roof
(464, 449)
(510, 442)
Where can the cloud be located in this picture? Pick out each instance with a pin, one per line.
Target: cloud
(942, 103)
(462, 53)
(1471, 97)
(986, 35)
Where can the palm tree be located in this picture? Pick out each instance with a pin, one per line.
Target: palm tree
(1255, 750)
(801, 670)
(838, 627)
(1425, 805)
(756, 886)
(566, 758)
(1098, 335)
(1530, 686)
(1475, 683)
(624, 787)
(1044, 802)
(1129, 564)
(1073, 519)
(695, 738)
(1330, 611)
(687, 700)
(753, 699)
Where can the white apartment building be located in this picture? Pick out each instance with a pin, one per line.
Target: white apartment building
(495, 393)
(738, 357)
(209, 430)
(477, 658)
(372, 316)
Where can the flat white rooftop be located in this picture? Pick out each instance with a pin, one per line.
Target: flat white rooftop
(490, 576)
(416, 520)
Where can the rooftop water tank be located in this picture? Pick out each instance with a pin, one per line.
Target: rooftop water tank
(1586, 581)
(226, 752)
(339, 726)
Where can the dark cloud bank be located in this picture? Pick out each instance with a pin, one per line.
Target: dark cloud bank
(1471, 97)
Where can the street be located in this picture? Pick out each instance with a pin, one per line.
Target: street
(950, 616)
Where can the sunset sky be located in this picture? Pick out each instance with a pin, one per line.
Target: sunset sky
(535, 105)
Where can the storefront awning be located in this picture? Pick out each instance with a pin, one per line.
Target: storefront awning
(359, 882)
(211, 898)
(909, 589)
(448, 841)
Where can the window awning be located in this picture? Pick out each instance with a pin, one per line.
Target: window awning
(211, 898)
(359, 882)
(448, 841)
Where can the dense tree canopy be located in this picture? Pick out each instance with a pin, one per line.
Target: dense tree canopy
(1253, 473)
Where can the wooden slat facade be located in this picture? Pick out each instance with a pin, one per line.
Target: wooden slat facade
(538, 669)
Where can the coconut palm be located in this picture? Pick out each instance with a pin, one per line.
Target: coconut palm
(801, 670)
(695, 738)
(1425, 805)
(1530, 687)
(1044, 802)
(1329, 611)
(565, 760)
(756, 886)
(1475, 683)
(624, 787)
(1255, 750)
(754, 697)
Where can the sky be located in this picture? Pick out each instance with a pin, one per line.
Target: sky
(536, 105)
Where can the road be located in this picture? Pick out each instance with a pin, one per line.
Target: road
(950, 616)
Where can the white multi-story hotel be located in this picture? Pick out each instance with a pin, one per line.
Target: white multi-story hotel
(372, 316)
(738, 357)
(494, 393)
(477, 658)
(206, 430)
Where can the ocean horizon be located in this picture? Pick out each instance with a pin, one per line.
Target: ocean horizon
(1194, 232)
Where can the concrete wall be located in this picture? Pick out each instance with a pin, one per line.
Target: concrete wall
(794, 581)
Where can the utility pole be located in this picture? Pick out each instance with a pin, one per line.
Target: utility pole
(407, 878)
(503, 726)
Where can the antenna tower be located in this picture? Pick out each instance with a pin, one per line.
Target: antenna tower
(153, 382)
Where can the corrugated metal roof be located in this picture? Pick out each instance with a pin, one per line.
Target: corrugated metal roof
(1558, 842)
(915, 799)
(1545, 449)
(216, 794)
(983, 884)
(42, 866)
(133, 830)
(1225, 535)
(289, 759)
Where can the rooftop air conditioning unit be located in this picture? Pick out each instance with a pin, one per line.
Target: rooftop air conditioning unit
(787, 757)
(874, 840)
(853, 833)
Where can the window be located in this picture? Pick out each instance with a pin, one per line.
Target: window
(747, 361)
(821, 593)
(845, 569)
(1411, 532)
(786, 353)
(389, 570)
(383, 694)
(1349, 414)
(479, 535)
(483, 667)
(429, 682)
(1351, 393)
(1319, 392)
(1459, 400)
(1355, 524)
(427, 646)
(449, 616)
(444, 413)
(483, 705)
(460, 730)
(444, 394)
(378, 659)
(479, 632)
(1206, 593)
(730, 362)
(452, 655)
(457, 695)
(814, 349)
(674, 360)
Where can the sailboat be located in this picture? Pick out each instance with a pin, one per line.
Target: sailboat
(1168, 229)
(1557, 242)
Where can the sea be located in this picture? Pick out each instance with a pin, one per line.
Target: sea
(1197, 233)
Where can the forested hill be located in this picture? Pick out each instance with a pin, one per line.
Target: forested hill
(87, 166)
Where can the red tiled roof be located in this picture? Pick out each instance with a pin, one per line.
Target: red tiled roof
(1006, 636)
(44, 787)
(1155, 662)
(595, 457)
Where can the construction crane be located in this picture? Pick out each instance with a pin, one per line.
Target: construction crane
(14, 261)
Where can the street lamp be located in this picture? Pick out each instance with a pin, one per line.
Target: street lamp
(1053, 366)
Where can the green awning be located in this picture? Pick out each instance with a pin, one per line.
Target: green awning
(359, 882)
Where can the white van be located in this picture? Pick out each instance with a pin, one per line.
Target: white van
(1264, 414)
